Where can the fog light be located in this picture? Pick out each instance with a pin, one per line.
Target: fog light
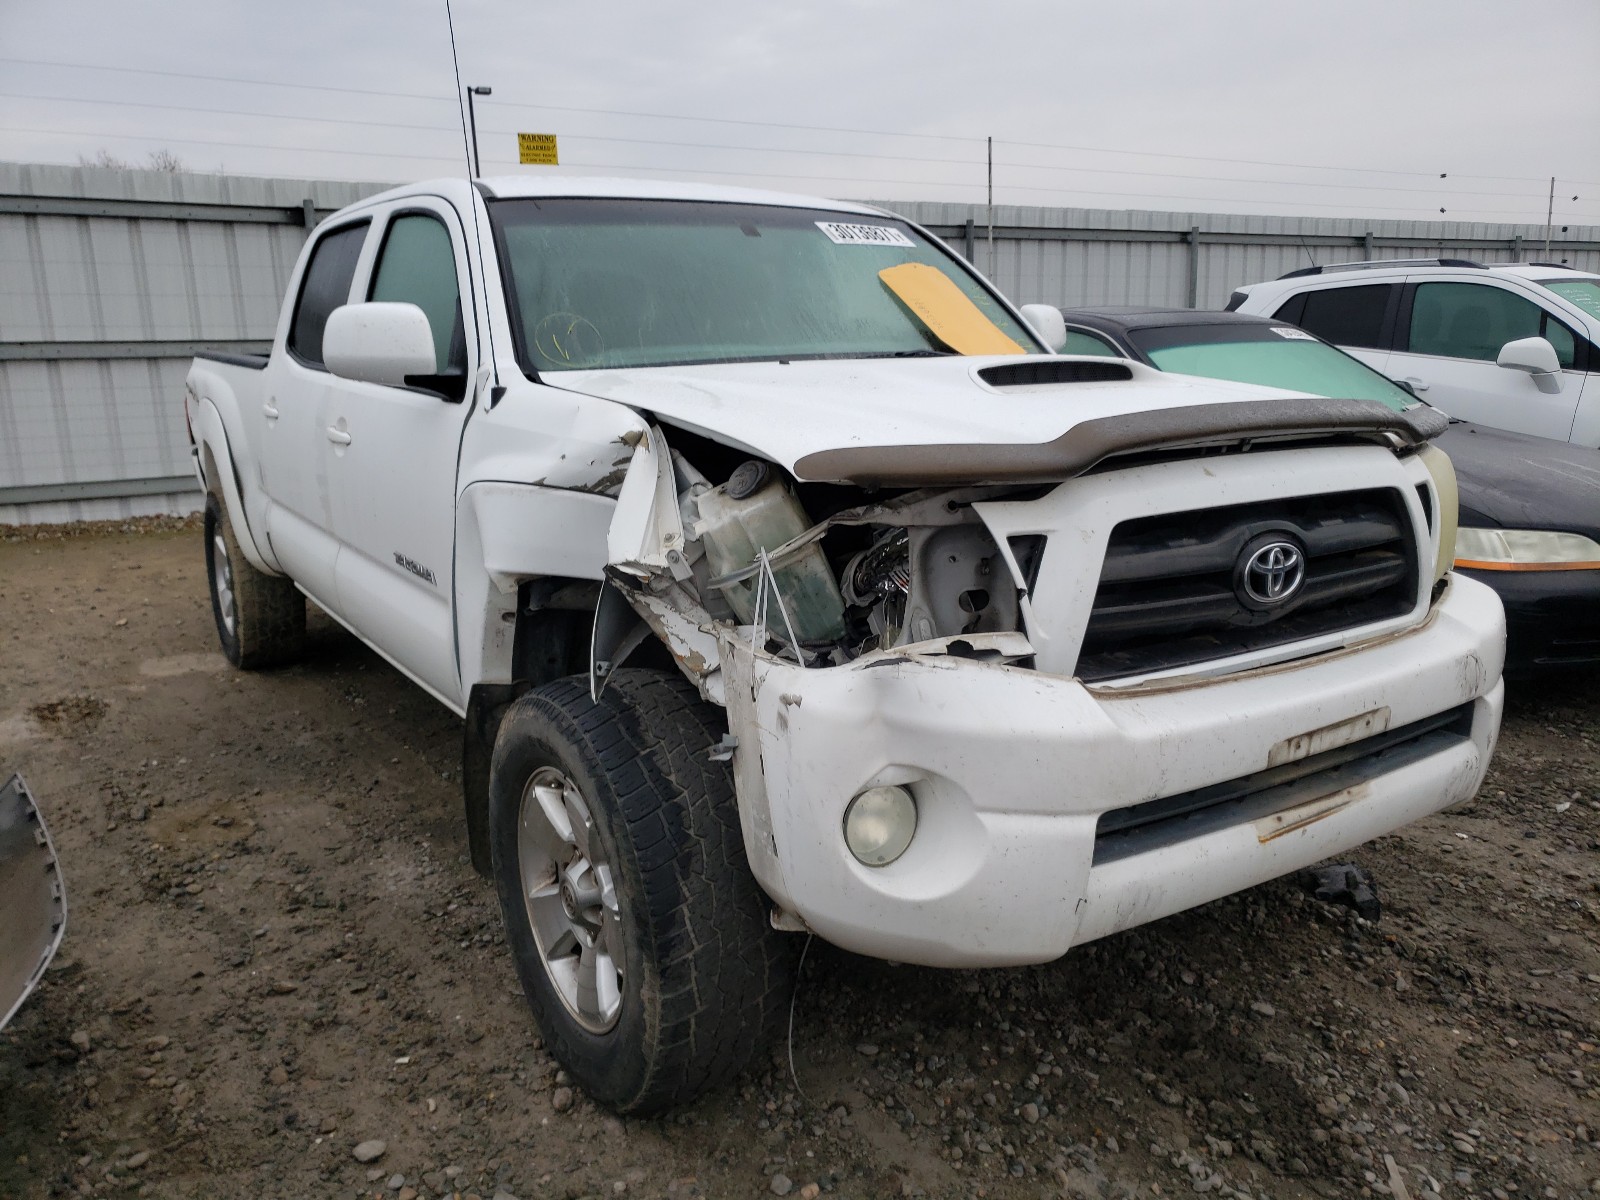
(879, 824)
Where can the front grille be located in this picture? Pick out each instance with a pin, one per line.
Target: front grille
(1169, 594)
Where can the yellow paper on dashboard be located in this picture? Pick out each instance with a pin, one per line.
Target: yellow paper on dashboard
(946, 310)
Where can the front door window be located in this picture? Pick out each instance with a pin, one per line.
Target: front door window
(1474, 320)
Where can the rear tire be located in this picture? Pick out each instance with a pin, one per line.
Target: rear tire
(261, 618)
(640, 935)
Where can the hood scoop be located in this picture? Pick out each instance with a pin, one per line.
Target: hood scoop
(1053, 370)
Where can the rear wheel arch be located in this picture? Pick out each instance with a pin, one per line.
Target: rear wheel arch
(222, 480)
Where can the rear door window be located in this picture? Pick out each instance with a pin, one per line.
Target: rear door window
(1345, 316)
(1474, 320)
(325, 287)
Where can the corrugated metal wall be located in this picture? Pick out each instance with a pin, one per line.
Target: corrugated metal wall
(1072, 256)
(110, 279)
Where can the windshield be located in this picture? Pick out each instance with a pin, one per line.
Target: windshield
(635, 283)
(1275, 355)
(1585, 293)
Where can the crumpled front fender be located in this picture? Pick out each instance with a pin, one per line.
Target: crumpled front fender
(646, 566)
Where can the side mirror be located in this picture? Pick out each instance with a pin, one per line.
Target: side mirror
(379, 343)
(1046, 320)
(1537, 357)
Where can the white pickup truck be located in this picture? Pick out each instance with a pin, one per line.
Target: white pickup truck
(939, 645)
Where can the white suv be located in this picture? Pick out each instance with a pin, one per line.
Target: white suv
(1511, 345)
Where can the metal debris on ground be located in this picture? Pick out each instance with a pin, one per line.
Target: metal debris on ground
(1346, 884)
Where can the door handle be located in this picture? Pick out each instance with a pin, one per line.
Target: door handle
(1417, 385)
(270, 409)
(338, 436)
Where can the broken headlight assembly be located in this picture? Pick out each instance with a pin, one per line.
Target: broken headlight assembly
(872, 577)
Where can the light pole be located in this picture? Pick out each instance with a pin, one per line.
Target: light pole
(472, 119)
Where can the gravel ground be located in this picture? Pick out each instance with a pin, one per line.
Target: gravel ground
(281, 977)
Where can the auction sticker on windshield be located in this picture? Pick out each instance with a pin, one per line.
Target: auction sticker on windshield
(864, 235)
(1298, 334)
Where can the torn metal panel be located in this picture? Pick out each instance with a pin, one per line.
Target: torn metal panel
(32, 897)
(692, 642)
(646, 532)
(617, 633)
(645, 546)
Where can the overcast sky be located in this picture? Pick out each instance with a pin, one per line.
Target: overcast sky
(1335, 108)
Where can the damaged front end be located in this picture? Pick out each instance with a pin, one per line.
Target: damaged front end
(948, 705)
(32, 897)
(705, 566)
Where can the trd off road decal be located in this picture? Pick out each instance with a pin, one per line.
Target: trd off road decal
(416, 568)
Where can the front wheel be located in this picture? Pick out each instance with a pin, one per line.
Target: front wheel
(640, 935)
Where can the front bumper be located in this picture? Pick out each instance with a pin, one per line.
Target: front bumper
(1552, 618)
(1012, 770)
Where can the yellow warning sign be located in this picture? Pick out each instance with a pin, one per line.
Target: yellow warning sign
(539, 149)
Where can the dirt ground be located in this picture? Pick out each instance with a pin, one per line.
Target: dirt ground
(277, 951)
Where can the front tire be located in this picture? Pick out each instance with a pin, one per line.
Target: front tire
(640, 935)
(261, 618)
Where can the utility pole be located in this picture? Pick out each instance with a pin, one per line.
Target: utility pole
(472, 119)
(991, 208)
(1549, 217)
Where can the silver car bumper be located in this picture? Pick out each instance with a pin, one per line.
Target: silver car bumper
(33, 899)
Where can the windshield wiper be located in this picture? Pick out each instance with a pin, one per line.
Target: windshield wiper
(907, 354)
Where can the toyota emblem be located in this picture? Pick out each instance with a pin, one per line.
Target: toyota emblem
(1270, 572)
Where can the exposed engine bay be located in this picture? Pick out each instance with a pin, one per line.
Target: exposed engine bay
(823, 574)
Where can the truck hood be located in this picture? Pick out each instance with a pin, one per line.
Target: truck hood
(924, 421)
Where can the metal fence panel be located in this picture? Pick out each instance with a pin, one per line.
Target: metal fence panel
(98, 266)
(109, 278)
(1113, 257)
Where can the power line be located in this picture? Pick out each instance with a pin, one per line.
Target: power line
(1141, 197)
(1252, 162)
(1014, 187)
(230, 112)
(232, 145)
(970, 162)
(277, 83)
(622, 112)
(781, 125)
(1364, 187)
(234, 112)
